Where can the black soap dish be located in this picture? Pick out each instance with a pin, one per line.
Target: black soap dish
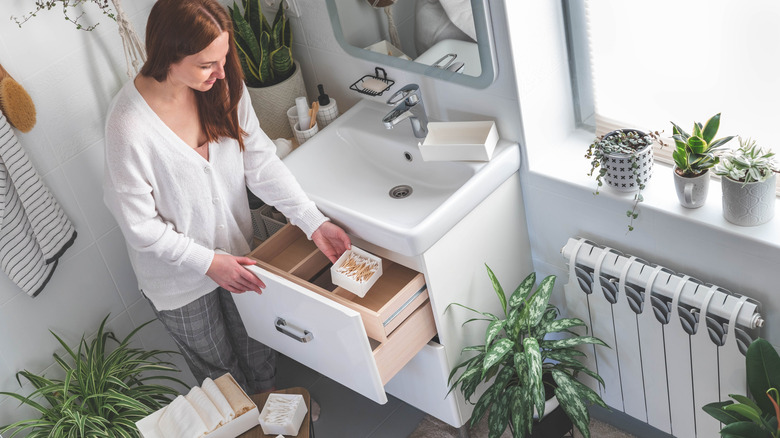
(373, 85)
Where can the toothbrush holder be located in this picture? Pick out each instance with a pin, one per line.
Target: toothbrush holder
(302, 135)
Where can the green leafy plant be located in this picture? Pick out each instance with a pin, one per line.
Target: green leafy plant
(748, 163)
(265, 49)
(748, 418)
(67, 5)
(629, 142)
(104, 392)
(518, 354)
(695, 153)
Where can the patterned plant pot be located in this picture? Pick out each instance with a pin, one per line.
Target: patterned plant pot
(620, 168)
(271, 104)
(748, 204)
(692, 191)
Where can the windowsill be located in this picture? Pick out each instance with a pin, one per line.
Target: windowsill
(659, 194)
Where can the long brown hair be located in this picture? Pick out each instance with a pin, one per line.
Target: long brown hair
(179, 28)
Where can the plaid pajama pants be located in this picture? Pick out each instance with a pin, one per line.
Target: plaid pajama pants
(213, 340)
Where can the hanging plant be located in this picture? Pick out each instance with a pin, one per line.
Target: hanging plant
(68, 6)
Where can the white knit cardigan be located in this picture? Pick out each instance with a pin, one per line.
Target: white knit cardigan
(175, 208)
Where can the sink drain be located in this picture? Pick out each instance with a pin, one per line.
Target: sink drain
(400, 192)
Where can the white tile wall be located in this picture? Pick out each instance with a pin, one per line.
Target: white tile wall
(71, 76)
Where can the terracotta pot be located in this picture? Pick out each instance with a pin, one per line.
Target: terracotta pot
(692, 191)
(748, 204)
(271, 104)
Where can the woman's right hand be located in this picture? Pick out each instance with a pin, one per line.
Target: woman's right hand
(229, 272)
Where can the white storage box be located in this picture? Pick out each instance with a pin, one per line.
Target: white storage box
(148, 428)
(459, 141)
(283, 414)
(356, 271)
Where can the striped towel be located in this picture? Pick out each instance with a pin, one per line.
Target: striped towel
(34, 230)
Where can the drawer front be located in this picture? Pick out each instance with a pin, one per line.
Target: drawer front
(423, 384)
(312, 330)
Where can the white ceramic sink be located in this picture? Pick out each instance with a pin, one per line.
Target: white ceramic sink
(350, 167)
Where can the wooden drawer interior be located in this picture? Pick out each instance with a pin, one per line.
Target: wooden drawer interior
(394, 297)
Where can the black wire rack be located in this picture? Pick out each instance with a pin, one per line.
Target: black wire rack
(359, 87)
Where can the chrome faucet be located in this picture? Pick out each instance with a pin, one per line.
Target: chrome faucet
(408, 103)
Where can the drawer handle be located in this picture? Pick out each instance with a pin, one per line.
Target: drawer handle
(281, 325)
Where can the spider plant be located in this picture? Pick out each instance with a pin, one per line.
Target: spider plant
(108, 386)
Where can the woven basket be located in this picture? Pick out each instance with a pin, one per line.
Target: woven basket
(258, 225)
(271, 225)
(271, 104)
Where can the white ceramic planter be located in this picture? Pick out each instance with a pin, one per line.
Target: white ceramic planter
(620, 175)
(748, 204)
(692, 191)
(271, 104)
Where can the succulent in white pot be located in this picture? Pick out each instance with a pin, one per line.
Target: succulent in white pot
(694, 155)
(749, 181)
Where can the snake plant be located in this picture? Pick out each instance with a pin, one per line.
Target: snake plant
(518, 353)
(265, 50)
(108, 385)
(695, 153)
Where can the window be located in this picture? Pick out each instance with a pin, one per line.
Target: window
(648, 63)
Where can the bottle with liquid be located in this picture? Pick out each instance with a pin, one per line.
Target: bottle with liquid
(328, 109)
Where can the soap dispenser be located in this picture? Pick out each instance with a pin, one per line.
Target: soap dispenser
(328, 109)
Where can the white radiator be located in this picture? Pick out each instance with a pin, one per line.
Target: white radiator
(677, 343)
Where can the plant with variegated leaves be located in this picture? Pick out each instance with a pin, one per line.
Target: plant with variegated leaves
(108, 385)
(518, 354)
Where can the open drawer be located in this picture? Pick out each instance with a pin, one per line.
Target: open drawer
(359, 342)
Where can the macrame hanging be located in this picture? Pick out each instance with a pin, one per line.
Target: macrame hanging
(135, 53)
(391, 29)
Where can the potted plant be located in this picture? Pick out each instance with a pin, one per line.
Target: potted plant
(274, 80)
(693, 156)
(748, 184)
(624, 160)
(107, 387)
(758, 417)
(524, 363)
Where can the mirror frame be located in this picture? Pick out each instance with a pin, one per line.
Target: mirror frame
(486, 43)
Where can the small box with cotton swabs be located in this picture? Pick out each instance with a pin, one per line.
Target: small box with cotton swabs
(356, 271)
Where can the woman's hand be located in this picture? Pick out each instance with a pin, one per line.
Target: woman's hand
(229, 272)
(331, 240)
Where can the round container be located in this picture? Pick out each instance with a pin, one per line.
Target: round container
(620, 173)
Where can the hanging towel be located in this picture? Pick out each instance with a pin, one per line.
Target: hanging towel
(459, 12)
(34, 230)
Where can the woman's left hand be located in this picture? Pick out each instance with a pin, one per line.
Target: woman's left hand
(331, 240)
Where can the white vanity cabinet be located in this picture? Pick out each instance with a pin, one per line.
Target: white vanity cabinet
(385, 341)
(359, 342)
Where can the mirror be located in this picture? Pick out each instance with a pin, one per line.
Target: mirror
(433, 37)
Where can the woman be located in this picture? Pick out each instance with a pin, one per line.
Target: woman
(182, 142)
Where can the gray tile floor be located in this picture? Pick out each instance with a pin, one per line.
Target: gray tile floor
(345, 413)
